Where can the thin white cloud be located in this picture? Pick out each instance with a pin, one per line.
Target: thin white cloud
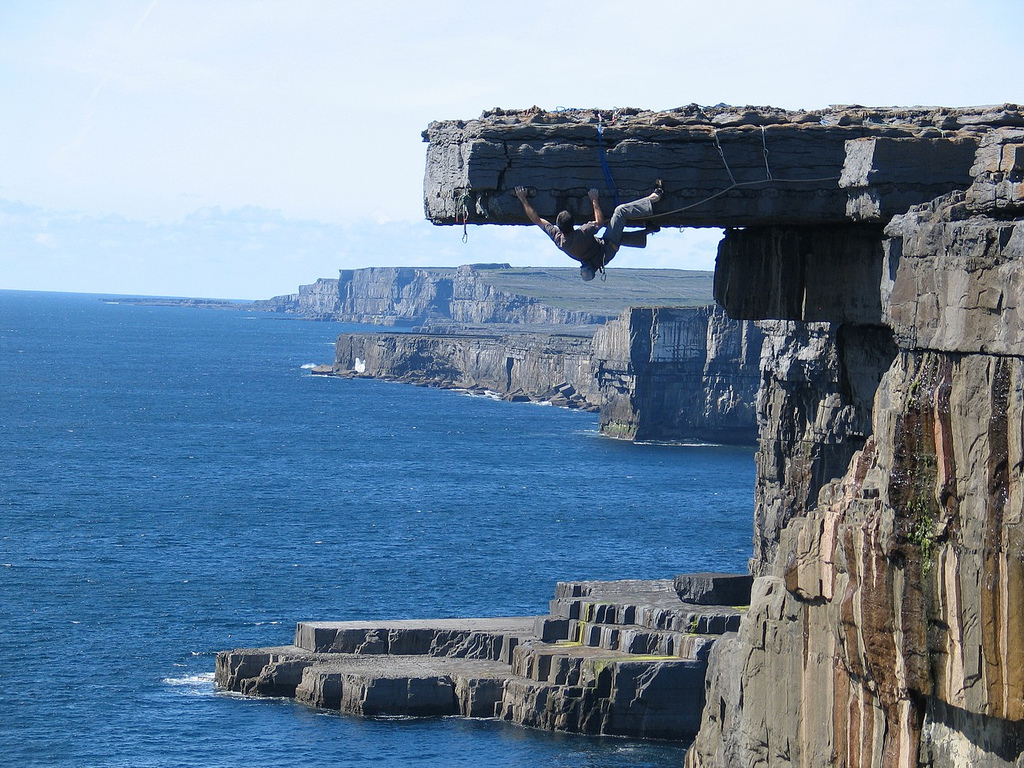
(45, 239)
(256, 253)
(59, 159)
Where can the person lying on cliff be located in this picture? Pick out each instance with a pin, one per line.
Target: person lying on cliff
(582, 244)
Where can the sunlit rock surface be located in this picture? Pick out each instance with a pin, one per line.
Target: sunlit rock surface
(624, 658)
(664, 373)
(722, 166)
(881, 251)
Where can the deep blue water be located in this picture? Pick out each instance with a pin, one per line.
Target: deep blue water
(173, 482)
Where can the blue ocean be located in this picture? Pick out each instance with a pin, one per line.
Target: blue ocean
(175, 482)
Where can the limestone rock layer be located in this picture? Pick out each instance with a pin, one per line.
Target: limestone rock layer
(881, 252)
(886, 628)
(623, 658)
(653, 373)
(722, 166)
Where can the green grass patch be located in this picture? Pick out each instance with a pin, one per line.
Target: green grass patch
(623, 288)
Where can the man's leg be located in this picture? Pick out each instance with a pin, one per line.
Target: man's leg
(635, 239)
(638, 209)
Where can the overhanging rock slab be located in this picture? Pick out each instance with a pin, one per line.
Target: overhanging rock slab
(722, 166)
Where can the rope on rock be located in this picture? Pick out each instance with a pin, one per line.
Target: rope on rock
(736, 184)
(725, 162)
(742, 184)
(609, 180)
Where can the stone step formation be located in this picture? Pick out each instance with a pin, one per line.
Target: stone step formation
(624, 658)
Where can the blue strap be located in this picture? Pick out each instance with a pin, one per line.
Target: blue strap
(608, 179)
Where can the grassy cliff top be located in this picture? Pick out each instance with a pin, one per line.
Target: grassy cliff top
(562, 287)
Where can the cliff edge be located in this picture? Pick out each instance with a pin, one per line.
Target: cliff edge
(881, 251)
(653, 373)
(887, 627)
(488, 295)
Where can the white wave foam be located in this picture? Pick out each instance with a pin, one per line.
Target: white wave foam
(679, 444)
(202, 680)
(308, 366)
(485, 393)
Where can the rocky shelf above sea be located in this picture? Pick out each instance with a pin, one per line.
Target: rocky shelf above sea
(625, 658)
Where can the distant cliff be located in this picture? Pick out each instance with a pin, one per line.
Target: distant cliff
(653, 373)
(411, 296)
(670, 373)
(486, 295)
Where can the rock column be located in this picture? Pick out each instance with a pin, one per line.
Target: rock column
(888, 626)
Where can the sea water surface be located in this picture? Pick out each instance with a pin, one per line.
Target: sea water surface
(174, 482)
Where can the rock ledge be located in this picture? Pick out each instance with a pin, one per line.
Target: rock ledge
(625, 658)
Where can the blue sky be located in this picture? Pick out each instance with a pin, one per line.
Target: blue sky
(238, 148)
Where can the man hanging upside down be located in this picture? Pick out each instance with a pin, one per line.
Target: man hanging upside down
(582, 243)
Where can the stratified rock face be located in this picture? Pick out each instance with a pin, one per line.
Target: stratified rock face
(516, 366)
(670, 373)
(319, 300)
(654, 374)
(897, 608)
(998, 173)
(972, 302)
(888, 626)
(806, 274)
(722, 166)
(410, 296)
(814, 412)
(393, 295)
(623, 658)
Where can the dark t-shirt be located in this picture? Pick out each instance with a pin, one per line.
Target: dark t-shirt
(582, 245)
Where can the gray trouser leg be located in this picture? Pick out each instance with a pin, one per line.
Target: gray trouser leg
(638, 209)
(635, 239)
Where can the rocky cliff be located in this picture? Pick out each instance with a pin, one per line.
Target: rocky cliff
(520, 366)
(722, 166)
(624, 658)
(889, 502)
(882, 250)
(670, 374)
(654, 373)
(486, 295)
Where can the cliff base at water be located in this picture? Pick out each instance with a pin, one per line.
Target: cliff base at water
(663, 374)
(625, 658)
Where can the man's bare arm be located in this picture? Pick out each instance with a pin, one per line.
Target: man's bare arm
(595, 202)
(531, 214)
